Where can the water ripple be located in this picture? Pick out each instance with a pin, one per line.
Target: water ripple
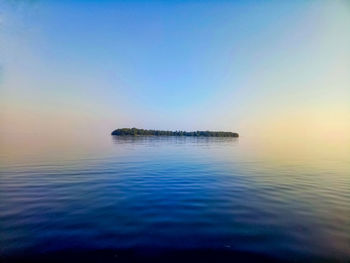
(186, 195)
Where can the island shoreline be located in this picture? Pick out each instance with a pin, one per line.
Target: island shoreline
(145, 132)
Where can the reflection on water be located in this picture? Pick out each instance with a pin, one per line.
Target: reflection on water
(137, 198)
(195, 141)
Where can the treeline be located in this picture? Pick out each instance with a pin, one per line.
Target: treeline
(142, 132)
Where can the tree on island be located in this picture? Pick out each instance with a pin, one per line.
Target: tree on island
(143, 132)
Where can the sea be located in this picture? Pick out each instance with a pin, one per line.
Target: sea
(174, 199)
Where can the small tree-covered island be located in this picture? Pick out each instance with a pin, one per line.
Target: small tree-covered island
(143, 132)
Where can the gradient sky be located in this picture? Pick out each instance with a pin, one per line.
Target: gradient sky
(255, 67)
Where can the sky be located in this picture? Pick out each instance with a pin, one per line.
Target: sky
(255, 67)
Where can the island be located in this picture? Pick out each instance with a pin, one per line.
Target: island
(143, 132)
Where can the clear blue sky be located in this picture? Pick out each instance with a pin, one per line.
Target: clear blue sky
(222, 65)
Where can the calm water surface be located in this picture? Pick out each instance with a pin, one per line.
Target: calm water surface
(151, 198)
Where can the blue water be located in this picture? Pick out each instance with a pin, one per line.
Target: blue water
(161, 198)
